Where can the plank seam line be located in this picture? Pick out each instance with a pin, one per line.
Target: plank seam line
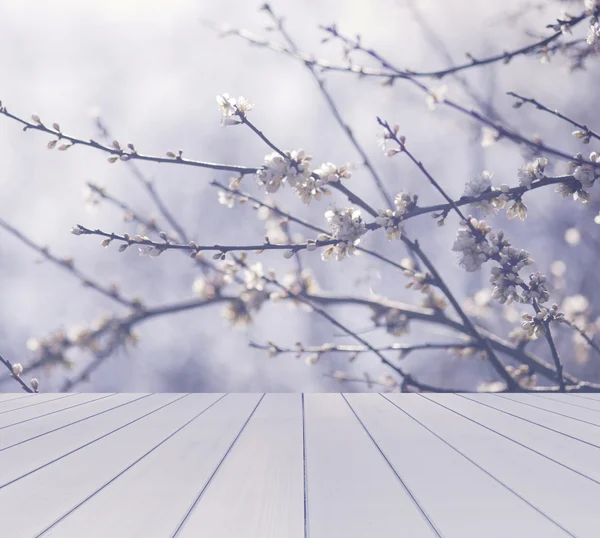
(480, 467)
(566, 403)
(73, 423)
(38, 403)
(515, 441)
(57, 411)
(585, 398)
(122, 472)
(530, 421)
(17, 397)
(197, 499)
(548, 410)
(91, 442)
(305, 471)
(410, 493)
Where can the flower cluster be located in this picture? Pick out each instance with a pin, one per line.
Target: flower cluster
(537, 289)
(477, 243)
(532, 171)
(348, 226)
(483, 184)
(293, 167)
(232, 110)
(535, 326)
(584, 175)
(330, 173)
(472, 245)
(390, 219)
(505, 277)
(253, 277)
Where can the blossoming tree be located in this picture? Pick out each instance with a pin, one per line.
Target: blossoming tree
(527, 359)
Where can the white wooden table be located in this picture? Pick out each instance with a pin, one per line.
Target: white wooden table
(299, 466)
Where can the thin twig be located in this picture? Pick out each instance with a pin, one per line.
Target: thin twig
(584, 128)
(121, 153)
(17, 378)
(68, 265)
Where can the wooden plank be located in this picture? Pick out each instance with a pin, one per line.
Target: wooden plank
(567, 399)
(352, 491)
(565, 409)
(23, 432)
(580, 430)
(8, 396)
(151, 497)
(446, 482)
(54, 406)
(566, 497)
(26, 457)
(30, 400)
(82, 472)
(587, 396)
(579, 457)
(258, 491)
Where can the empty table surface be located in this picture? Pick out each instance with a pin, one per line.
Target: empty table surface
(299, 465)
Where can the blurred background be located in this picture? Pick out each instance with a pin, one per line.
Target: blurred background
(151, 71)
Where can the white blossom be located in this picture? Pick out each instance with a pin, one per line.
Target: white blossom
(593, 36)
(534, 325)
(298, 168)
(532, 171)
(436, 95)
(231, 109)
(479, 185)
(227, 199)
(17, 369)
(253, 277)
(585, 175)
(329, 173)
(537, 289)
(294, 169)
(348, 226)
(489, 136)
(311, 188)
(389, 219)
(404, 202)
(474, 250)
